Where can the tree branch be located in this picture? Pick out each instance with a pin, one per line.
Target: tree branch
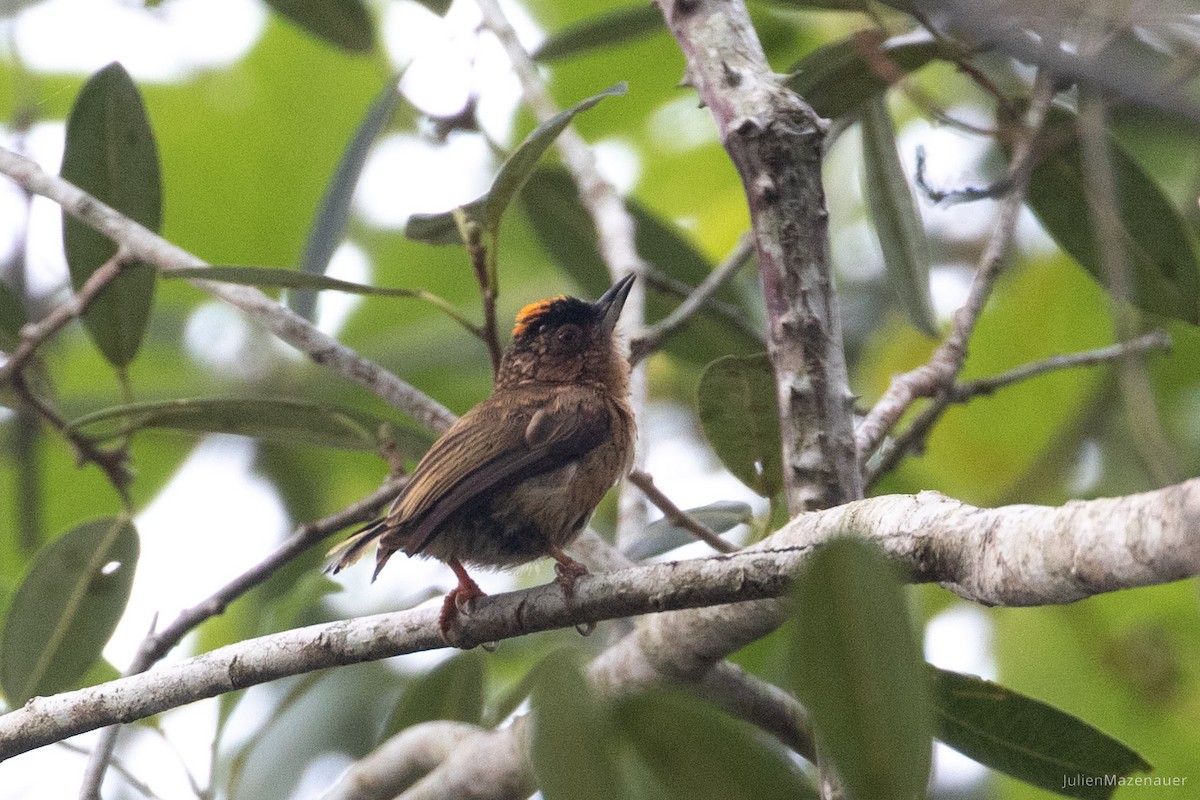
(144, 245)
(1014, 556)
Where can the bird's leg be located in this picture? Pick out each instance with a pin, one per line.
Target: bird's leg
(569, 570)
(458, 599)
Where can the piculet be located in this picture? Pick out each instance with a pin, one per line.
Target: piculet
(518, 476)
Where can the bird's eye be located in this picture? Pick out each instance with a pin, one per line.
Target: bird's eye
(568, 336)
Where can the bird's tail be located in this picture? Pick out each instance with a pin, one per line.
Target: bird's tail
(346, 553)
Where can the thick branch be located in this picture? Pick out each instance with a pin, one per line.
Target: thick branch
(774, 139)
(144, 245)
(1014, 555)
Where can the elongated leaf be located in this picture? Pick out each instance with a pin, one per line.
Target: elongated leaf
(66, 608)
(12, 318)
(613, 27)
(740, 418)
(856, 664)
(697, 751)
(111, 154)
(896, 216)
(329, 225)
(488, 209)
(838, 78)
(1165, 275)
(662, 535)
(452, 690)
(1028, 739)
(343, 23)
(286, 421)
(573, 744)
(565, 230)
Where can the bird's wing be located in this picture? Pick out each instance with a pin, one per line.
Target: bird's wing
(490, 447)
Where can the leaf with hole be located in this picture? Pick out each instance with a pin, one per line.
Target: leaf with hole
(343, 23)
(516, 169)
(285, 421)
(896, 217)
(66, 608)
(605, 30)
(1160, 252)
(662, 535)
(740, 418)
(111, 154)
(856, 664)
(1028, 739)
(452, 690)
(329, 224)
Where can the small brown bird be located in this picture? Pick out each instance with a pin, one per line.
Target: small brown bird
(519, 475)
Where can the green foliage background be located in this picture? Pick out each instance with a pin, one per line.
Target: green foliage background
(246, 154)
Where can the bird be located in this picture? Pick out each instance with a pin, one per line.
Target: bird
(518, 476)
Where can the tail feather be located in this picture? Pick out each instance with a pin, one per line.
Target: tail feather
(352, 549)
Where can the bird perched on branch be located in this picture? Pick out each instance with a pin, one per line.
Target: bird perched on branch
(519, 475)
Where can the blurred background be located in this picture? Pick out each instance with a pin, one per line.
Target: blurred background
(252, 114)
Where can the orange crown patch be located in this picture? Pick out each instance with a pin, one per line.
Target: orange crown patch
(531, 312)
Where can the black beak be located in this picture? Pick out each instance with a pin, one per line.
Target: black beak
(611, 302)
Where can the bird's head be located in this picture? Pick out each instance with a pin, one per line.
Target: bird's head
(568, 340)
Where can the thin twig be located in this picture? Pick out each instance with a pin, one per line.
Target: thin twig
(677, 515)
(34, 334)
(157, 645)
(736, 316)
(144, 245)
(913, 438)
(947, 361)
(652, 337)
(483, 264)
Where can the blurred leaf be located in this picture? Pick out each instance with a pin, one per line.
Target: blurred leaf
(565, 230)
(1028, 739)
(613, 27)
(452, 690)
(329, 225)
(662, 536)
(573, 743)
(286, 421)
(1160, 252)
(895, 215)
(439, 7)
(828, 5)
(856, 664)
(12, 318)
(343, 23)
(111, 154)
(66, 608)
(740, 418)
(838, 78)
(516, 169)
(697, 751)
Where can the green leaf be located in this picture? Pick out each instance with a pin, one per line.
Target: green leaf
(452, 690)
(329, 225)
(12, 317)
(488, 209)
(286, 421)
(896, 216)
(740, 418)
(697, 751)
(614, 27)
(343, 23)
(1165, 275)
(662, 535)
(856, 664)
(838, 78)
(66, 608)
(565, 230)
(439, 7)
(573, 743)
(1028, 739)
(827, 5)
(111, 154)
